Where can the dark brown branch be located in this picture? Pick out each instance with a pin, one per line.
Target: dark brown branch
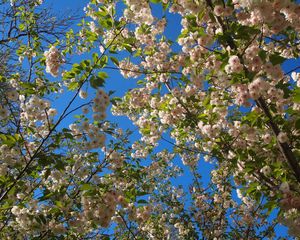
(284, 147)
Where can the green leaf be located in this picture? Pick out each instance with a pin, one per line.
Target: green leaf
(22, 27)
(276, 59)
(141, 82)
(115, 100)
(296, 97)
(102, 75)
(128, 47)
(115, 61)
(297, 124)
(206, 101)
(69, 75)
(96, 82)
(59, 204)
(111, 92)
(141, 193)
(77, 68)
(3, 137)
(73, 85)
(86, 186)
(86, 63)
(103, 61)
(95, 57)
(270, 206)
(8, 139)
(102, 11)
(262, 54)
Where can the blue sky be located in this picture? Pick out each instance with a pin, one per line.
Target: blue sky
(120, 85)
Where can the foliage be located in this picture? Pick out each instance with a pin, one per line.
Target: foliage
(216, 92)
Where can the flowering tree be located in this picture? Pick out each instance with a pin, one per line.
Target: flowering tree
(50, 174)
(217, 92)
(222, 96)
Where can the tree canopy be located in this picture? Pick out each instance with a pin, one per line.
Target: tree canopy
(216, 89)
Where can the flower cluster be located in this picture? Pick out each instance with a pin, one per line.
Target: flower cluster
(94, 132)
(53, 61)
(234, 65)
